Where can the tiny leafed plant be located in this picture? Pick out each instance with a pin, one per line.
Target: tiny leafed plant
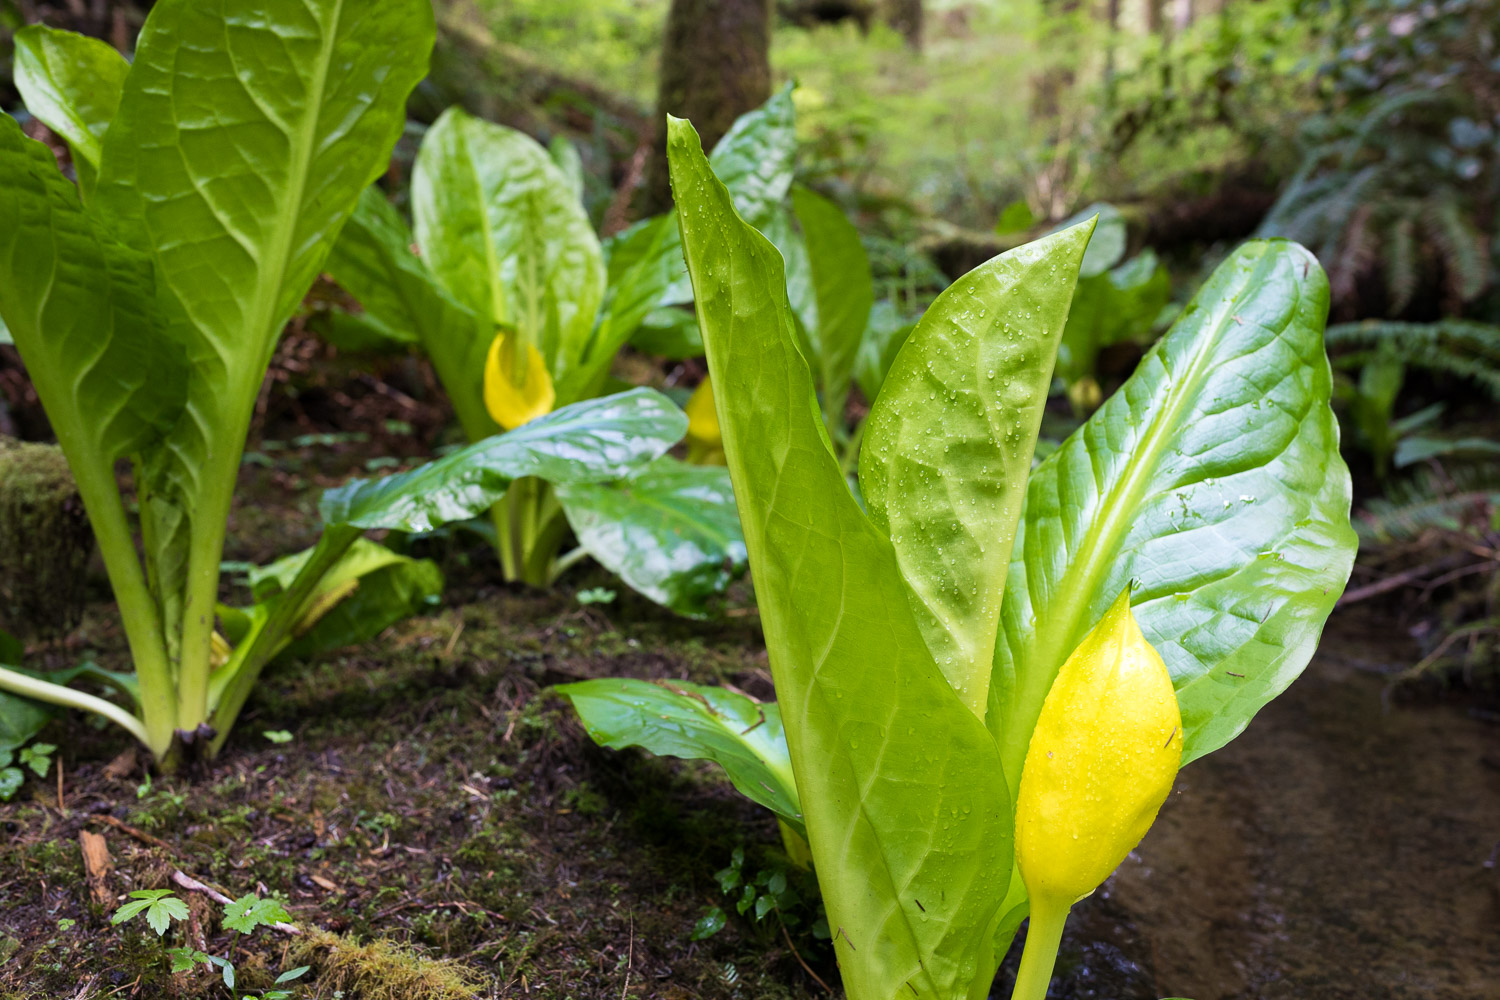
(161, 908)
(989, 675)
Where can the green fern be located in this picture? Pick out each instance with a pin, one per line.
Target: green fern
(1427, 501)
(1401, 269)
(1461, 246)
(1462, 348)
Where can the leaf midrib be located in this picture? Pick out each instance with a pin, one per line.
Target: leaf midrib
(1102, 539)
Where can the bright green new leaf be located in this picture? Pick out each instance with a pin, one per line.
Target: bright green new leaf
(907, 876)
(565, 155)
(73, 84)
(695, 722)
(842, 292)
(591, 441)
(947, 447)
(499, 225)
(670, 531)
(1213, 480)
(249, 912)
(756, 158)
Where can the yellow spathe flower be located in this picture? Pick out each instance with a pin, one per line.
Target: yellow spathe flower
(509, 403)
(1102, 758)
(705, 440)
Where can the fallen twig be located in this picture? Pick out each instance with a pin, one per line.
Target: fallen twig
(129, 830)
(188, 882)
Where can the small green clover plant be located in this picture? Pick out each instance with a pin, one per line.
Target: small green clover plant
(243, 916)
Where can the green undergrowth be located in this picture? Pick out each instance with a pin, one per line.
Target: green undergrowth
(440, 825)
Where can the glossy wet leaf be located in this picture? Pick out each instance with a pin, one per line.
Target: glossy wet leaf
(695, 722)
(501, 228)
(595, 440)
(909, 826)
(948, 444)
(842, 290)
(1212, 479)
(671, 531)
(73, 84)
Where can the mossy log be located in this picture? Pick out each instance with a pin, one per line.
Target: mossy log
(45, 541)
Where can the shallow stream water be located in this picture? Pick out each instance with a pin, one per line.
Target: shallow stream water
(1340, 848)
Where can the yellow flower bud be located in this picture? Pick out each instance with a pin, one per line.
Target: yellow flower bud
(511, 401)
(1102, 758)
(705, 441)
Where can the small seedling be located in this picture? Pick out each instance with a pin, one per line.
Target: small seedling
(161, 907)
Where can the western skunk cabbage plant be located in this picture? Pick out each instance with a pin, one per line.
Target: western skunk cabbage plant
(971, 611)
(213, 174)
(501, 281)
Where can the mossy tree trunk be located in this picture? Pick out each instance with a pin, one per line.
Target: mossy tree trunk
(45, 541)
(715, 66)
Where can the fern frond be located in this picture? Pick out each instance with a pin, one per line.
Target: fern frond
(1462, 348)
(1461, 246)
(1354, 255)
(1401, 274)
(1426, 502)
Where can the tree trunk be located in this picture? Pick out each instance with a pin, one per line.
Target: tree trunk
(715, 66)
(906, 17)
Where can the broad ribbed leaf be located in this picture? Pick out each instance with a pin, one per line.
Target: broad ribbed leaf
(947, 446)
(644, 263)
(246, 132)
(499, 225)
(909, 820)
(82, 310)
(73, 84)
(369, 589)
(1213, 480)
(591, 441)
(695, 722)
(843, 292)
(373, 261)
(671, 531)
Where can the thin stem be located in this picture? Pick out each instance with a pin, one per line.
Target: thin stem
(567, 561)
(138, 610)
(56, 694)
(1043, 936)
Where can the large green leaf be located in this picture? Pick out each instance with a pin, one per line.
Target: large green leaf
(1107, 248)
(245, 134)
(369, 589)
(73, 84)
(1213, 480)
(671, 531)
(374, 262)
(843, 292)
(909, 820)
(695, 722)
(948, 444)
(644, 265)
(500, 226)
(591, 441)
(82, 311)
